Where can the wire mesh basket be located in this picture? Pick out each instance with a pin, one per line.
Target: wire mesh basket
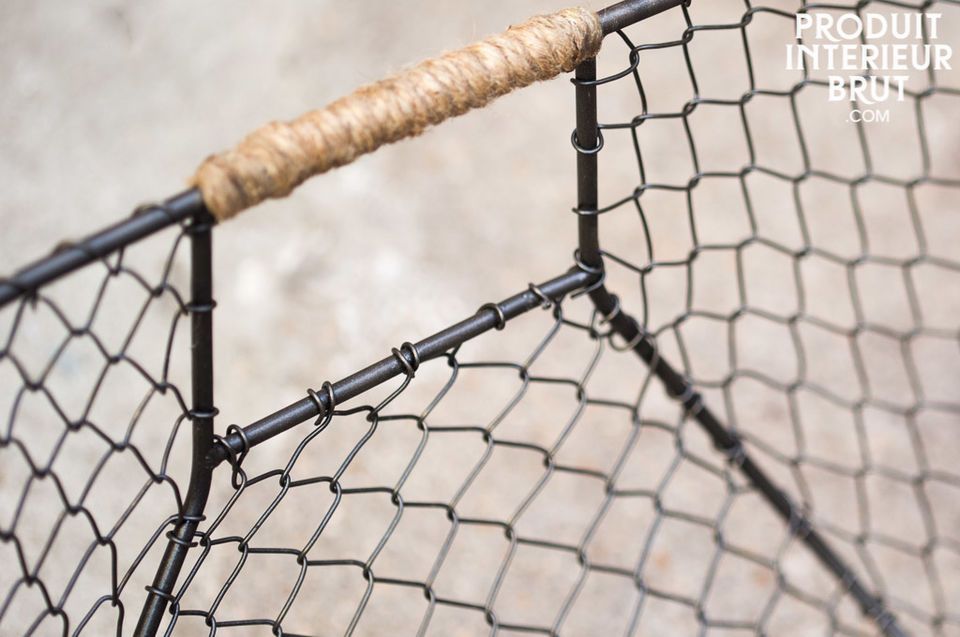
(736, 413)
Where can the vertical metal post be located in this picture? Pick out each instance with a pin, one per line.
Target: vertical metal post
(180, 538)
(587, 144)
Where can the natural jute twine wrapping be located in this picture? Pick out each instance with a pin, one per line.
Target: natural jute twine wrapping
(275, 159)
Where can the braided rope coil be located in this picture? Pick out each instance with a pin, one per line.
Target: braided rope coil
(278, 157)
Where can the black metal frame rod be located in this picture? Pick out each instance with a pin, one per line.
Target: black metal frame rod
(623, 14)
(725, 440)
(488, 317)
(180, 538)
(74, 255)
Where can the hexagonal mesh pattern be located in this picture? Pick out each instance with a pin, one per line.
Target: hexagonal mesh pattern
(780, 459)
(94, 438)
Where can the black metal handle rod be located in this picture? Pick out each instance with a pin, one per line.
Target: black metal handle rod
(74, 255)
(184, 205)
(188, 203)
(623, 14)
(487, 318)
(678, 387)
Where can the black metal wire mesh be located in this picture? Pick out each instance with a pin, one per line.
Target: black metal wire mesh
(540, 479)
(489, 494)
(95, 434)
(794, 263)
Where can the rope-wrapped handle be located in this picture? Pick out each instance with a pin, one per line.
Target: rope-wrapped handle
(278, 157)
